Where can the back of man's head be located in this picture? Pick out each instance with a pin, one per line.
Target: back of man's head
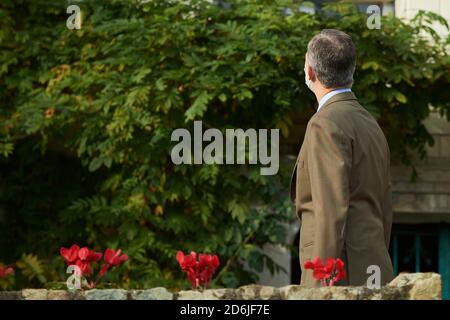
(332, 56)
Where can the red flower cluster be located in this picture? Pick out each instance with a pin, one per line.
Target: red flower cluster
(80, 257)
(198, 272)
(84, 257)
(4, 271)
(328, 274)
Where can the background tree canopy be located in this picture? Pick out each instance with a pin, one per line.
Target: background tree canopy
(86, 118)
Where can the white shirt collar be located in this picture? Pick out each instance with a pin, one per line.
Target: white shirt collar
(330, 94)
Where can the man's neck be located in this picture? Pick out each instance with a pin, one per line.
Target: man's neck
(320, 92)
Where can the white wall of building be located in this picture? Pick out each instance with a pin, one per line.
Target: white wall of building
(408, 8)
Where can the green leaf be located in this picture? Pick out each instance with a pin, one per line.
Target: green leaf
(95, 164)
(400, 97)
(238, 210)
(198, 108)
(370, 65)
(160, 85)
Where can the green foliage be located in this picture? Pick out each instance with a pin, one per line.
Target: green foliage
(86, 118)
(31, 268)
(7, 283)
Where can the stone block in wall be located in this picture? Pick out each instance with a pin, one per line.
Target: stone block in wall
(210, 294)
(159, 293)
(421, 203)
(343, 293)
(10, 295)
(419, 187)
(106, 294)
(65, 295)
(34, 294)
(429, 173)
(434, 150)
(445, 147)
(257, 292)
(421, 286)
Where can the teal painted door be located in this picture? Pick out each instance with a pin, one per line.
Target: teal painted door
(444, 260)
(422, 248)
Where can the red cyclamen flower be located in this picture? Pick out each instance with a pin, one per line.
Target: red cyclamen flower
(115, 258)
(84, 254)
(71, 254)
(85, 267)
(328, 274)
(84, 258)
(198, 272)
(4, 271)
(112, 258)
(80, 257)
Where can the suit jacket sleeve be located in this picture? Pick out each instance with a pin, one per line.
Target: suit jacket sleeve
(329, 160)
(387, 212)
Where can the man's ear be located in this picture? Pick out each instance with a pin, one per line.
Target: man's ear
(311, 74)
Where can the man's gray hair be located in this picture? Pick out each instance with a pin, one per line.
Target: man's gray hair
(332, 56)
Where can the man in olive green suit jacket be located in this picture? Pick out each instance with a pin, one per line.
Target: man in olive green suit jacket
(341, 182)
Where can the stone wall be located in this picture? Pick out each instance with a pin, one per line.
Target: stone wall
(408, 286)
(427, 199)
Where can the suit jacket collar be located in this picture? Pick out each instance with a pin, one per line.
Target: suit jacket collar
(343, 96)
